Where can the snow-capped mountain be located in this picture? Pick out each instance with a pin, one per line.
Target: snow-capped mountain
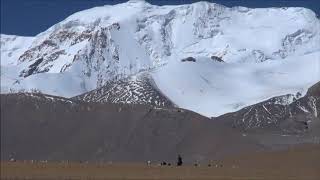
(204, 57)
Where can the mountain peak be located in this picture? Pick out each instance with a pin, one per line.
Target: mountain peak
(137, 1)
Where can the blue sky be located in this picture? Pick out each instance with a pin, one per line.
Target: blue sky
(30, 17)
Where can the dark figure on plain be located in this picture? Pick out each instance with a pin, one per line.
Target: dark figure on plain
(179, 162)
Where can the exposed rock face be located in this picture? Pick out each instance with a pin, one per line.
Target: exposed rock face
(138, 89)
(92, 47)
(215, 58)
(189, 59)
(294, 41)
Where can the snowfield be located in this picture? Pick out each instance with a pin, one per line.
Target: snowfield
(241, 55)
(212, 88)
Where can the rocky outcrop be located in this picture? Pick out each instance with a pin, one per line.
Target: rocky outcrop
(137, 89)
(278, 113)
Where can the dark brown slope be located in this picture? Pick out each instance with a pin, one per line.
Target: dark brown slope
(35, 126)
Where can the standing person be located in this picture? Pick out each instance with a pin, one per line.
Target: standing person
(179, 162)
